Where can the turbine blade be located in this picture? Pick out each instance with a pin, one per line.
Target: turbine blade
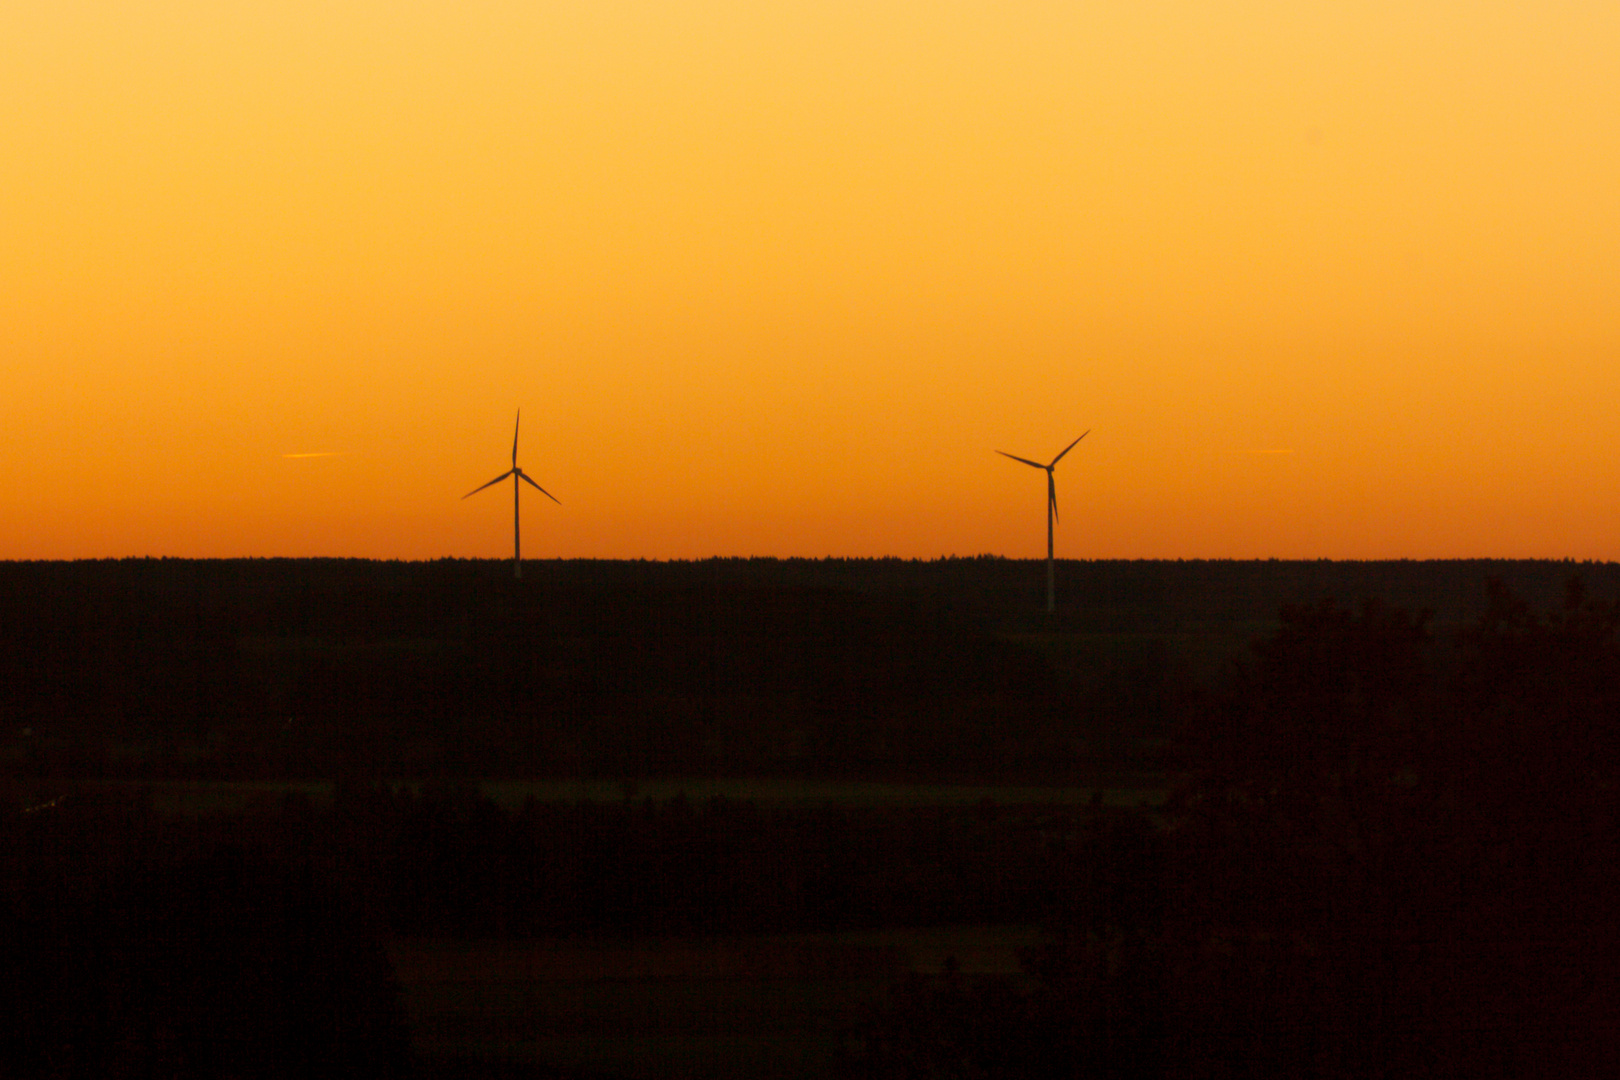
(515, 425)
(481, 487)
(1025, 460)
(1066, 449)
(1051, 494)
(525, 478)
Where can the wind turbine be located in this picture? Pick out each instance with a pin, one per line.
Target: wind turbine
(1051, 514)
(517, 475)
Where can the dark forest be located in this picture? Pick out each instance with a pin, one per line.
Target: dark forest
(1377, 836)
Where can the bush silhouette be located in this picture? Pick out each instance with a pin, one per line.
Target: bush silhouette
(234, 962)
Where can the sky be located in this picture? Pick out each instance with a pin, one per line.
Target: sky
(1322, 280)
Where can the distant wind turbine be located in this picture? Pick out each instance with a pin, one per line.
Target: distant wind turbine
(1051, 514)
(517, 475)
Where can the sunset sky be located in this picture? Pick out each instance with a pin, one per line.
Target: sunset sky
(778, 278)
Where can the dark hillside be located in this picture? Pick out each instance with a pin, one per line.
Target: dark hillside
(315, 668)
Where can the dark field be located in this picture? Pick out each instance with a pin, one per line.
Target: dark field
(809, 818)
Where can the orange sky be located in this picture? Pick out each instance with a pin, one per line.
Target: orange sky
(1324, 280)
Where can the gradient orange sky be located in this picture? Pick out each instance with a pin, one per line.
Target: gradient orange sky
(1324, 280)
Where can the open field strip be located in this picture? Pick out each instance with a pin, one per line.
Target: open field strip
(211, 796)
(1117, 791)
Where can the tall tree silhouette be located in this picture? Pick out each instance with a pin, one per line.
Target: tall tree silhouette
(1392, 848)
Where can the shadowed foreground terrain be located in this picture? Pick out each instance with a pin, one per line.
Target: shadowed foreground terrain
(277, 819)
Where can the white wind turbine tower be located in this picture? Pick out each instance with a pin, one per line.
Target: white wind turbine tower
(1051, 514)
(519, 478)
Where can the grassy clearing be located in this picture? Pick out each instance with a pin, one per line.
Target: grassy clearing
(771, 1007)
